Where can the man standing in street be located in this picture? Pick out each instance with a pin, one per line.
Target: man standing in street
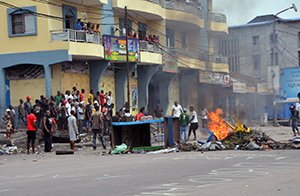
(58, 98)
(295, 119)
(204, 118)
(109, 99)
(21, 115)
(158, 113)
(184, 120)
(194, 123)
(102, 97)
(80, 113)
(96, 122)
(27, 106)
(176, 110)
(81, 98)
(31, 130)
(73, 131)
(38, 112)
(91, 97)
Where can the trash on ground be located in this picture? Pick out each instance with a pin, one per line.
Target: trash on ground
(119, 149)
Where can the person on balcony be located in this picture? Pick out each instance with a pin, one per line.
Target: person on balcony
(79, 26)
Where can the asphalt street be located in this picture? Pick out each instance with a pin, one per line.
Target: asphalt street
(183, 173)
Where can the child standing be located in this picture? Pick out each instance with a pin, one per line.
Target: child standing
(8, 124)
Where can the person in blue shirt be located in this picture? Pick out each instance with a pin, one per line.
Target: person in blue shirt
(79, 27)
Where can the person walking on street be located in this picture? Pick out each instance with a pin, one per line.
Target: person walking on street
(73, 130)
(12, 115)
(295, 120)
(88, 113)
(47, 126)
(109, 99)
(31, 131)
(176, 110)
(80, 113)
(158, 113)
(184, 120)
(27, 106)
(21, 115)
(97, 126)
(194, 123)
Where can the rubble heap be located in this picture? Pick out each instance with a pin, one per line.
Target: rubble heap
(253, 140)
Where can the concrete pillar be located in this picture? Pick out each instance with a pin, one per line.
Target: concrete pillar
(2, 92)
(48, 80)
(185, 79)
(108, 28)
(120, 83)
(97, 69)
(165, 80)
(203, 38)
(145, 73)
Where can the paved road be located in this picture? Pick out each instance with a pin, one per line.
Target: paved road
(185, 173)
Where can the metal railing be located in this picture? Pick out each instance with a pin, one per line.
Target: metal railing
(215, 17)
(150, 47)
(184, 52)
(180, 6)
(76, 36)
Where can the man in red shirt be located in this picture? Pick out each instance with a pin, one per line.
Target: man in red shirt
(102, 97)
(140, 115)
(31, 130)
(81, 98)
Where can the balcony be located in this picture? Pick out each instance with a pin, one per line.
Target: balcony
(184, 7)
(184, 52)
(75, 36)
(215, 17)
(82, 44)
(219, 63)
(218, 59)
(217, 24)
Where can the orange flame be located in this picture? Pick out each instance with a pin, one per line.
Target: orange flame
(217, 125)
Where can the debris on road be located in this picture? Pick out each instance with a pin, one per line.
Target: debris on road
(119, 149)
(213, 145)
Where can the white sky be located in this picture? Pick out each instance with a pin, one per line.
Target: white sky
(242, 11)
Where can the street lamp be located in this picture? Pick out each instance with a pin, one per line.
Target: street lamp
(273, 55)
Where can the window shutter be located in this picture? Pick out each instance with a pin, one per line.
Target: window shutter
(29, 23)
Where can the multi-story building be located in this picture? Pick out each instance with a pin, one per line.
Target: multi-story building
(260, 49)
(42, 52)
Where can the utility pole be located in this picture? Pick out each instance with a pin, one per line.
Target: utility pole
(127, 61)
(273, 61)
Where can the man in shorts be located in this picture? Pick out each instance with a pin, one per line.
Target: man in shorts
(31, 130)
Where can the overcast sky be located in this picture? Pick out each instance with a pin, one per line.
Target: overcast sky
(242, 11)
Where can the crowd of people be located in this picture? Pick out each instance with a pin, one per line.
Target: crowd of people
(71, 112)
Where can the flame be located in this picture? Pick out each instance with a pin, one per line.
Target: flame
(217, 125)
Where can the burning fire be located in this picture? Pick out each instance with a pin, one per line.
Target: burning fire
(217, 125)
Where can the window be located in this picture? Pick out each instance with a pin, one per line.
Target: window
(271, 38)
(22, 21)
(170, 38)
(256, 62)
(183, 37)
(142, 30)
(255, 40)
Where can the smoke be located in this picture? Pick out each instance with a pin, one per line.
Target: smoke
(236, 11)
(242, 11)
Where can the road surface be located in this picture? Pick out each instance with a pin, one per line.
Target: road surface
(183, 173)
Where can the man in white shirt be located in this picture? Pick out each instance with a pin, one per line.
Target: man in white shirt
(204, 118)
(68, 95)
(80, 113)
(194, 123)
(109, 99)
(68, 108)
(73, 131)
(176, 110)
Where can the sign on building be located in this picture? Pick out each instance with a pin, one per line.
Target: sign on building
(115, 49)
(171, 64)
(214, 78)
(290, 84)
(239, 87)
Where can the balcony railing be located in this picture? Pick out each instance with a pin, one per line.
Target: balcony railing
(215, 17)
(184, 52)
(150, 47)
(76, 36)
(184, 7)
